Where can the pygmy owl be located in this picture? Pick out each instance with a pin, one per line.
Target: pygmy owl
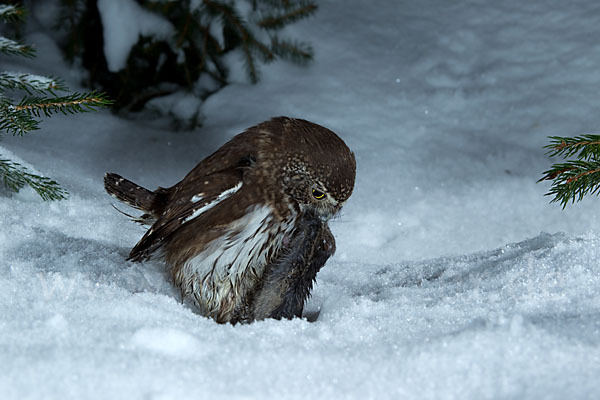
(245, 232)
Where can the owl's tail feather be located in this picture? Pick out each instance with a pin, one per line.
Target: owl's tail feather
(134, 195)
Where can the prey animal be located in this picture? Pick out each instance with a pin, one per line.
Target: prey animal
(245, 232)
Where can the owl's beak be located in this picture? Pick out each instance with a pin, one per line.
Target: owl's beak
(322, 212)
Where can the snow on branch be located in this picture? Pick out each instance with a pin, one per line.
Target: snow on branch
(11, 12)
(8, 46)
(40, 99)
(30, 82)
(159, 47)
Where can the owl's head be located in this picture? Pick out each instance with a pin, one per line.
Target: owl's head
(319, 170)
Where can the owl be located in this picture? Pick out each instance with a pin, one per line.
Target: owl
(245, 232)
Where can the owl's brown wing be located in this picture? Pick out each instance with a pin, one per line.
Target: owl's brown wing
(201, 190)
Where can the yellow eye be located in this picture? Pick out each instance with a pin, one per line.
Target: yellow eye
(317, 194)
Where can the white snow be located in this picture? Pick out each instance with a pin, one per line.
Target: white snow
(183, 106)
(32, 81)
(443, 286)
(123, 22)
(8, 45)
(5, 9)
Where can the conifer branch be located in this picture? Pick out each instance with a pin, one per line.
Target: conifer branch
(572, 180)
(13, 121)
(11, 47)
(297, 52)
(41, 100)
(584, 147)
(11, 13)
(231, 18)
(249, 64)
(279, 20)
(195, 57)
(15, 177)
(72, 103)
(30, 83)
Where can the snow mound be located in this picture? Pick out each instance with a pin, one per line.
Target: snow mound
(123, 22)
(503, 323)
(170, 342)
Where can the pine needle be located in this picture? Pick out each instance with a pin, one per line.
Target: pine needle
(11, 13)
(15, 177)
(281, 19)
(41, 99)
(70, 104)
(572, 180)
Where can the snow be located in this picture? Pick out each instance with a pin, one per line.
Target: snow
(123, 22)
(444, 284)
(7, 9)
(31, 81)
(8, 45)
(183, 106)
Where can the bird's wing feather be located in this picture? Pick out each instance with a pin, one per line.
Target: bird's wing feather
(191, 199)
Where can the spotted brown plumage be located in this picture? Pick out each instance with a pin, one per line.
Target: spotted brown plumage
(246, 229)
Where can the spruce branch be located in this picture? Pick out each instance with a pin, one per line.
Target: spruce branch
(69, 104)
(250, 45)
(297, 52)
(30, 83)
(11, 13)
(281, 19)
(283, 4)
(15, 177)
(573, 180)
(41, 99)
(15, 122)
(585, 147)
(249, 64)
(18, 119)
(12, 47)
(195, 57)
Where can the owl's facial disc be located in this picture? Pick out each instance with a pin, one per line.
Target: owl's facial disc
(322, 203)
(318, 190)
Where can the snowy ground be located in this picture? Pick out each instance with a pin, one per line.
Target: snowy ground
(444, 285)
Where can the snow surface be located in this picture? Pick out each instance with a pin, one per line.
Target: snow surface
(443, 285)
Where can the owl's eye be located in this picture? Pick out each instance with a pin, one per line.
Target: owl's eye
(317, 194)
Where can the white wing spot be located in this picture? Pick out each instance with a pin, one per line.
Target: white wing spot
(227, 193)
(197, 197)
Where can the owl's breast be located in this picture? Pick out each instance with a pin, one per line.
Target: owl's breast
(231, 265)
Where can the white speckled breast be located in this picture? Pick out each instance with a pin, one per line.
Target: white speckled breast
(220, 276)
